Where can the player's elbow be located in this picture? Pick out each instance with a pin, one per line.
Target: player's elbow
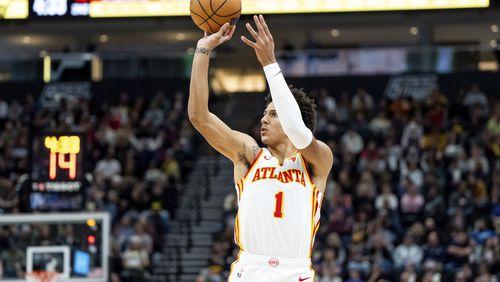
(194, 118)
(198, 119)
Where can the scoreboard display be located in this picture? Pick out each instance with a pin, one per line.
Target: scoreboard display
(160, 8)
(57, 171)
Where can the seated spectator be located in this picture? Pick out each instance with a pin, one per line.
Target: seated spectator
(213, 273)
(354, 276)
(371, 158)
(380, 256)
(434, 251)
(135, 260)
(108, 167)
(362, 101)
(457, 253)
(477, 163)
(386, 200)
(330, 274)
(357, 259)
(461, 198)
(412, 203)
(12, 261)
(334, 243)
(412, 134)
(434, 203)
(432, 272)
(407, 253)
(476, 98)
(409, 168)
(380, 125)
(352, 142)
(481, 232)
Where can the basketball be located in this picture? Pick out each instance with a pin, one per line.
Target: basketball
(210, 15)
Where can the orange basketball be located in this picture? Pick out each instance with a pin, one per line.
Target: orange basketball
(210, 15)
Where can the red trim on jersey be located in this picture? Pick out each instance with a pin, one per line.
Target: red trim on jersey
(240, 189)
(316, 204)
(313, 215)
(237, 232)
(252, 165)
(306, 168)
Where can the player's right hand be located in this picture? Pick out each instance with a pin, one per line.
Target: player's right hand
(212, 40)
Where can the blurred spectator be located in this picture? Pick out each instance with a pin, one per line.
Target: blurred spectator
(457, 252)
(386, 200)
(12, 261)
(108, 167)
(362, 101)
(434, 251)
(407, 253)
(380, 125)
(352, 142)
(434, 203)
(135, 260)
(212, 273)
(4, 111)
(475, 98)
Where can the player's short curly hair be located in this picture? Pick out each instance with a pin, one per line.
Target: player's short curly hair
(306, 104)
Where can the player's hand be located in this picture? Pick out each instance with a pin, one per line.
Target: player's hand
(212, 40)
(264, 43)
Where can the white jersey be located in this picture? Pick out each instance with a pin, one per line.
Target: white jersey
(279, 208)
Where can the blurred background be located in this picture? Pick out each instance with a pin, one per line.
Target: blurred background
(93, 119)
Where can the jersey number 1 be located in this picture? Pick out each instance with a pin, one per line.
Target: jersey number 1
(278, 210)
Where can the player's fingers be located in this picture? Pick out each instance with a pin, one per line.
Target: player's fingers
(248, 42)
(259, 25)
(231, 31)
(265, 27)
(252, 32)
(224, 29)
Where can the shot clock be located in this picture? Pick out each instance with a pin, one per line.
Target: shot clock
(57, 171)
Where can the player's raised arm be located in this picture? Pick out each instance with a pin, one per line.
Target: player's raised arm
(317, 153)
(232, 144)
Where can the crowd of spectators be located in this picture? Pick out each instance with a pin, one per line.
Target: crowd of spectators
(139, 151)
(414, 194)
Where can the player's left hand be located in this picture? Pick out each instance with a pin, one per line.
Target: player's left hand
(264, 43)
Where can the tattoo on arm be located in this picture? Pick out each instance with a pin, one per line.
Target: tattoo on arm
(202, 50)
(255, 150)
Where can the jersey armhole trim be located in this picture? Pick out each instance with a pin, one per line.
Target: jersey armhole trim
(306, 168)
(252, 166)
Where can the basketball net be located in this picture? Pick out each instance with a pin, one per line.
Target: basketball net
(42, 276)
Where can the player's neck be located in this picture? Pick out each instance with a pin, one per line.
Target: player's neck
(282, 151)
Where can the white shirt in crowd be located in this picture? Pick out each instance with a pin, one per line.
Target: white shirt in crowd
(107, 168)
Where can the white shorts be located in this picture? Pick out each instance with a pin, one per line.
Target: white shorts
(257, 268)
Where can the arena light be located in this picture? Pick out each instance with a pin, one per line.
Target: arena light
(152, 8)
(47, 69)
(14, 9)
(488, 66)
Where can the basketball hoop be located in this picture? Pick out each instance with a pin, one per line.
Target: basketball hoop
(42, 276)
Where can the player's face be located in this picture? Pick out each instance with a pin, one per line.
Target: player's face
(271, 131)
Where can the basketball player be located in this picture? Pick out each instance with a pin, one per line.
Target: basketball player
(280, 187)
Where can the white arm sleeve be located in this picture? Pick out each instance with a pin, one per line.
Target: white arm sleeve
(287, 108)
